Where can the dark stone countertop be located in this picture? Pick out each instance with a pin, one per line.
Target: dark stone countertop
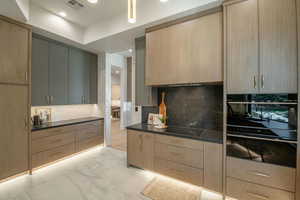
(207, 135)
(65, 123)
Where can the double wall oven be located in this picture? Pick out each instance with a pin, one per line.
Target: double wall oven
(263, 128)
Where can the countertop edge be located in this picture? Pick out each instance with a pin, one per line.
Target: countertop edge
(175, 135)
(33, 129)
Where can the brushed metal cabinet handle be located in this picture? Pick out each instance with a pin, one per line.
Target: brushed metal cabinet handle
(262, 81)
(258, 196)
(256, 173)
(254, 82)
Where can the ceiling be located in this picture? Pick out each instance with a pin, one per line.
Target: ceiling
(90, 14)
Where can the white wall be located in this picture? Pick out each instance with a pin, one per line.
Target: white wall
(24, 7)
(44, 19)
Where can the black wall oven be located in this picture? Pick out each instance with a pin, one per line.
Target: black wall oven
(263, 128)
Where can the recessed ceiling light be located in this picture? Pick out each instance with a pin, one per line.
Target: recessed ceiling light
(130, 50)
(163, 1)
(93, 1)
(63, 14)
(117, 72)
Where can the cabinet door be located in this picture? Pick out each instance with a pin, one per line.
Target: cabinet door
(135, 148)
(199, 56)
(40, 61)
(14, 122)
(77, 61)
(242, 47)
(93, 80)
(144, 95)
(213, 167)
(58, 69)
(278, 46)
(148, 151)
(13, 53)
(161, 50)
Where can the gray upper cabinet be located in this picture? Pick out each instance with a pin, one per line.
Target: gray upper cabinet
(40, 61)
(76, 76)
(62, 75)
(144, 95)
(93, 84)
(260, 46)
(58, 74)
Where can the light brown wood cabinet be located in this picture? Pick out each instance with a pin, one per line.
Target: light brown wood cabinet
(188, 52)
(14, 52)
(191, 161)
(14, 130)
(213, 167)
(261, 52)
(140, 148)
(53, 144)
(15, 48)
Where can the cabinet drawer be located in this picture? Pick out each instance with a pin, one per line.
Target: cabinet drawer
(50, 142)
(261, 173)
(178, 171)
(88, 133)
(182, 142)
(190, 157)
(49, 132)
(89, 143)
(45, 157)
(249, 191)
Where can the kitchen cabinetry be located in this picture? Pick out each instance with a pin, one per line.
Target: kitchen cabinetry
(15, 48)
(53, 144)
(40, 73)
(144, 95)
(213, 166)
(192, 161)
(14, 52)
(58, 74)
(140, 148)
(261, 49)
(14, 130)
(248, 179)
(62, 75)
(188, 52)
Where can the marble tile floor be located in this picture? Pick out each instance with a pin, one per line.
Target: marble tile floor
(99, 174)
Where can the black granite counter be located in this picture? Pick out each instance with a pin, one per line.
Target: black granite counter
(207, 135)
(65, 123)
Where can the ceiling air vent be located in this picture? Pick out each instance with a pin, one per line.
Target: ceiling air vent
(75, 4)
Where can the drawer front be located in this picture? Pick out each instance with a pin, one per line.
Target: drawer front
(49, 132)
(45, 157)
(249, 191)
(265, 174)
(181, 142)
(88, 133)
(190, 157)
(89, 143)
(178, 171)
(51, 142)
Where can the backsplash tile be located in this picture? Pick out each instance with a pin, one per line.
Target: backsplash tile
(192, 106)
(59, 113)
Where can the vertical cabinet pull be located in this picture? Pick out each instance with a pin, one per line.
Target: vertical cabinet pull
(262, 81)
(254, 82)
(26, 76)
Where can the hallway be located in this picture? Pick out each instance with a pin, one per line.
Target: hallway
(119, 137)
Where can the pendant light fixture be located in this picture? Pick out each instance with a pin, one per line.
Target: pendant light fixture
(132, 11)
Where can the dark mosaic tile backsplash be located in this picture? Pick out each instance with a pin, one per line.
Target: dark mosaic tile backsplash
(192, 106)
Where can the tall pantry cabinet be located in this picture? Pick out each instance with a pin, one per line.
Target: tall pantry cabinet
(15, 53)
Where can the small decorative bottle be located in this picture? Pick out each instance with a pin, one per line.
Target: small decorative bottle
(163, 109)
